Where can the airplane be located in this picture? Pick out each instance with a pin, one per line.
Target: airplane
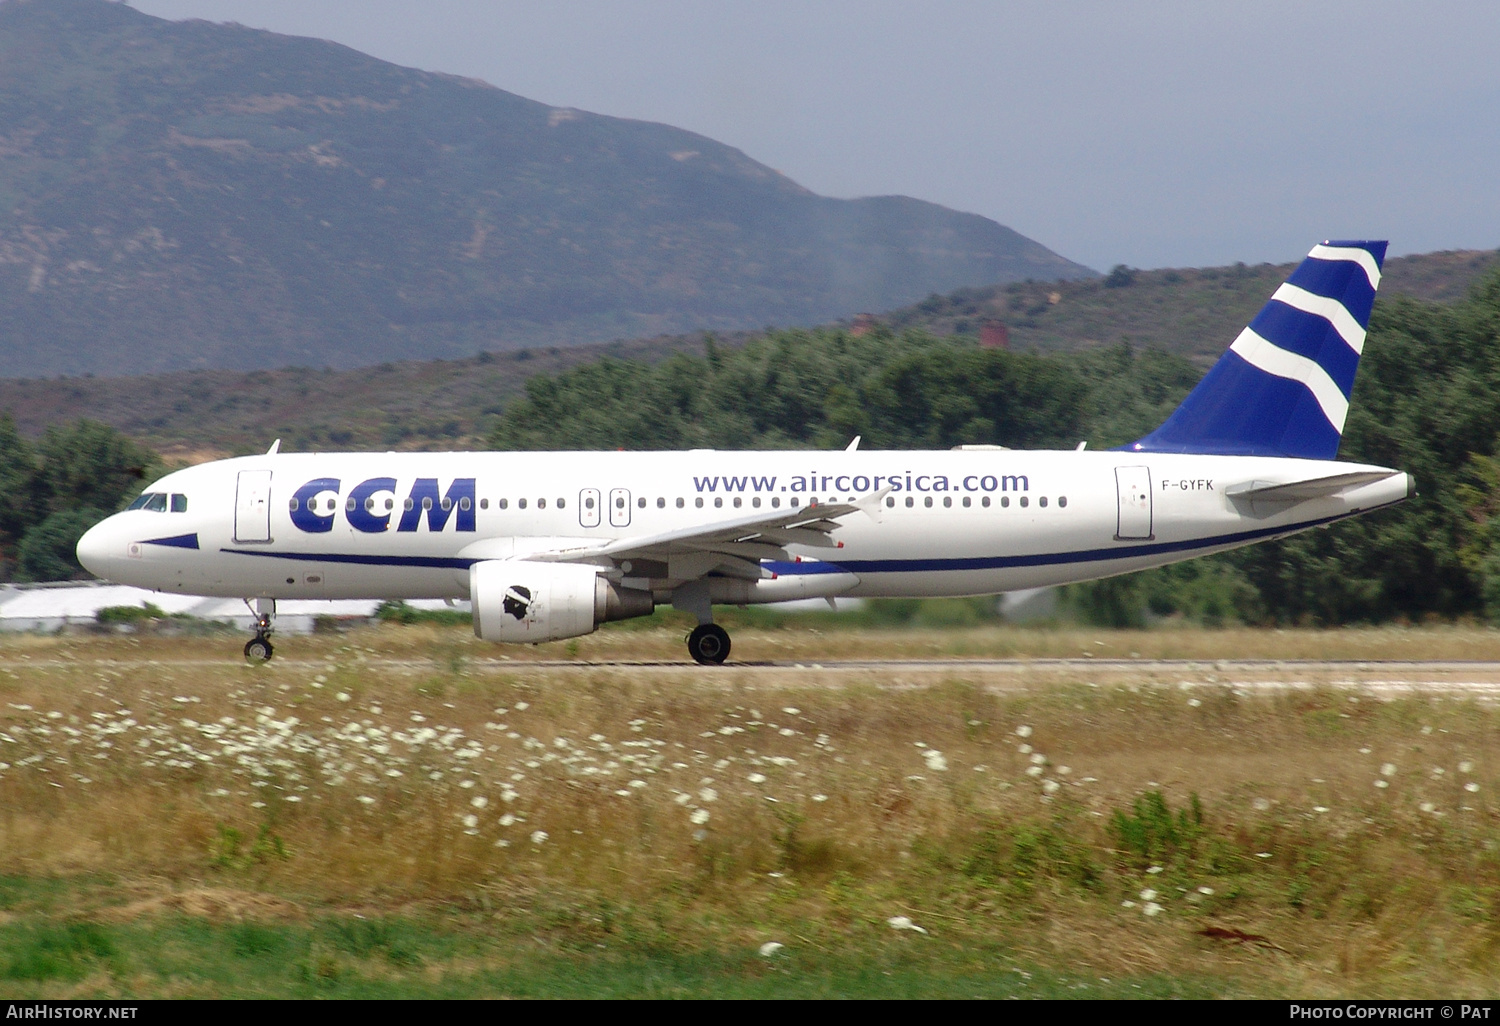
(549, 545)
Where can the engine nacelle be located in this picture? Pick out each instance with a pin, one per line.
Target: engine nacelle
(519, 600)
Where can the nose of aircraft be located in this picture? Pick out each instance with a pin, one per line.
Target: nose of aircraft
(94, 549)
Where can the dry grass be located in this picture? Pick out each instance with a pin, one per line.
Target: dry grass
(403, 769)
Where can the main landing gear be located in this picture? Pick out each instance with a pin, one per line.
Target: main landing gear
(709, 644)
(258, 649)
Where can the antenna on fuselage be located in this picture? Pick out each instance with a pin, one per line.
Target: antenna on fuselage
(275, 448)
(852, 445)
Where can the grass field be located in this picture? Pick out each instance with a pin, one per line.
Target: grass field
(404, 811)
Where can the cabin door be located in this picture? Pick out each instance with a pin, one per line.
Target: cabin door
(252, 507)
(1134, 486)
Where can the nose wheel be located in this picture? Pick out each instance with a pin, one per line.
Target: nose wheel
(709, 644)
(259, 649)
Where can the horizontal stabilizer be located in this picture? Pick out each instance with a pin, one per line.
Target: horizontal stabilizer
(1264, 497)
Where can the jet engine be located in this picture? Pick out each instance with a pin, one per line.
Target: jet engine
(519, 600)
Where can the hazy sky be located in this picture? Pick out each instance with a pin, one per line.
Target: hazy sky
(1150, 134)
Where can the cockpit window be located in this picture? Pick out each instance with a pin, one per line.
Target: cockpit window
(156, 502)
(179, 503)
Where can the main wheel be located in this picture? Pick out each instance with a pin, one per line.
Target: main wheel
(258, 650)
(709, 644)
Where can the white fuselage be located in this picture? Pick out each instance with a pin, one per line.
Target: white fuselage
(967, 522)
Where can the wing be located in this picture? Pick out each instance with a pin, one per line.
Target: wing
(733, 548)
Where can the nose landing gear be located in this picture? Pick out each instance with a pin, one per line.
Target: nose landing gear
(258, 649)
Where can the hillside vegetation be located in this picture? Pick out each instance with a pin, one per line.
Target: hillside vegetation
(186, 194)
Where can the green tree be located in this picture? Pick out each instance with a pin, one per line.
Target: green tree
(48, 551)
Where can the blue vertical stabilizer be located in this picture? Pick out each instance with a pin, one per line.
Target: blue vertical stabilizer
(1283, 387)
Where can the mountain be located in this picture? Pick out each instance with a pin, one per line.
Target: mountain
(188, 194)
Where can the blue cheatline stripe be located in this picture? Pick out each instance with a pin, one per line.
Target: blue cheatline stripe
(881, 566)
(416, 562)
(1311, 336)
(177, 541)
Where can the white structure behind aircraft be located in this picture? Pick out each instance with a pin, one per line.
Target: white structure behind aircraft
(549, 545)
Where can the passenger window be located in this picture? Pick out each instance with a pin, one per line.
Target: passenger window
(890, 502)
(661, 503)
(967, 502)
(737, 502)
(755, 502)
(427, 502)
(541, 504)
(292, 504)
(795, 501)
(775, 503)
(927, 501)
(504, 503)
(447, 504)
(179, 503)
(463, 504)
(390, 504)
(520, 504)
(1062, 501)
(1042, 502)
(408, 504)
(698, 502)
(561, 504)
(910, 502)
(947, 500)
(641, 502)
(680, 503)
(1025, 502)
(985, 502)
(1005, 501)
(588, 503)
(370, 504)
(484, 503)
(718, 503)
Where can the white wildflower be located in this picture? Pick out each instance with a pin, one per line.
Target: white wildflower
(1023, 731)
(1388, 769)
(699, 817)
(770, 948)
(537, 836)
(756, 778)
(904, 923)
